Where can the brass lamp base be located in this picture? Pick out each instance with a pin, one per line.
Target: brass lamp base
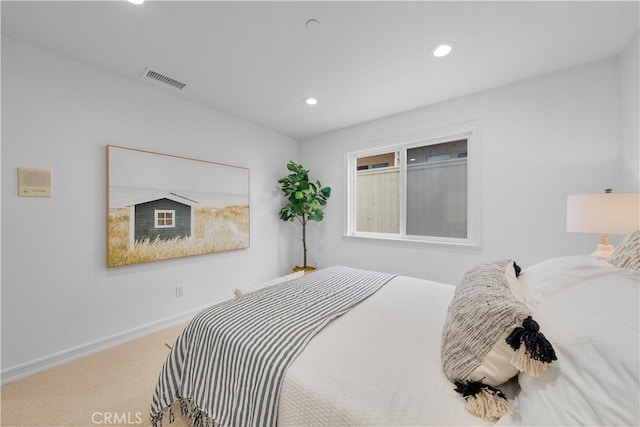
(604, 249)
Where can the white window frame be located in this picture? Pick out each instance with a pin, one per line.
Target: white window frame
(156, 212)
(471, 131)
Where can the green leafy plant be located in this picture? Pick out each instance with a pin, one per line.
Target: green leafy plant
(305, 200)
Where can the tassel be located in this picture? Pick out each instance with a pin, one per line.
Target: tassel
(483, 400)
(537, 352)
(517, 268)
(526, 364)
(187, 407)
(197, 419)
(488, 406)
(156, 421)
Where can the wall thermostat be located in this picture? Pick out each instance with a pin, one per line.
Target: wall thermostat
(34, 182)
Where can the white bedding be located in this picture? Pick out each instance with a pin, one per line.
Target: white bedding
(378, 365)
(589, 310)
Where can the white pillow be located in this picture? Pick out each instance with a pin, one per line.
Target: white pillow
(250, 289)
(547, 278)
(593, 324)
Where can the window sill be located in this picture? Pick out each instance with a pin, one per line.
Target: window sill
(460, 247)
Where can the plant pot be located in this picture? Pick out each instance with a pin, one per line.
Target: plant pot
(306, 269)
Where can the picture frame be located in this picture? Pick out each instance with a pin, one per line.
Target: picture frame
(162, 206)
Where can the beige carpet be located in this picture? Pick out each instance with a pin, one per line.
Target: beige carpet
(113, 387)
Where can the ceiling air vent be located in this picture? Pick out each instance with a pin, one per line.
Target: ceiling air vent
(163, 79)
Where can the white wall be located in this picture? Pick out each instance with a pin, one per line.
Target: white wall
(542, 139)
(629, 90)
(58, 298)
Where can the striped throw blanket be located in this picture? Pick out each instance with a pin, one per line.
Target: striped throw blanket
(227, 367)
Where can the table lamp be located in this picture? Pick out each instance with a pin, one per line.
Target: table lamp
(605, 213)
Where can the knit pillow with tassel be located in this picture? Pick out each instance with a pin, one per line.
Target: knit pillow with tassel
(489, 336)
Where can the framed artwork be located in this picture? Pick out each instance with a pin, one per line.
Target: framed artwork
(161, 206)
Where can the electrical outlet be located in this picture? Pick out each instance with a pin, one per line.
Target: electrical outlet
(179, 291)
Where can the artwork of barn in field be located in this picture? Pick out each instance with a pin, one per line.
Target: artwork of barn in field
(163, 218)
(162, 206)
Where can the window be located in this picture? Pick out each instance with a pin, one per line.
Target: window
(428, 189)
(164, 218)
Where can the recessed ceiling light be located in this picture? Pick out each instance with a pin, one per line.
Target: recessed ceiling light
(311, 101)
(136, 1)
(442, 50)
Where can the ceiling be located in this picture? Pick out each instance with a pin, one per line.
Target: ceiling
(258, 61)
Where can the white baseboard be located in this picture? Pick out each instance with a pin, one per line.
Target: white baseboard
(33, 367)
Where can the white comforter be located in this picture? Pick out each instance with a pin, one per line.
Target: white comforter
(391, 375)
(590, 311)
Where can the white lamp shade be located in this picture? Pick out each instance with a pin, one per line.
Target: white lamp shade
(604, 213)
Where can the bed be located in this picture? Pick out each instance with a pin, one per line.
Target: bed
(377, 361)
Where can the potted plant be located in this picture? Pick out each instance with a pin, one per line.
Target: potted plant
(305, 202)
